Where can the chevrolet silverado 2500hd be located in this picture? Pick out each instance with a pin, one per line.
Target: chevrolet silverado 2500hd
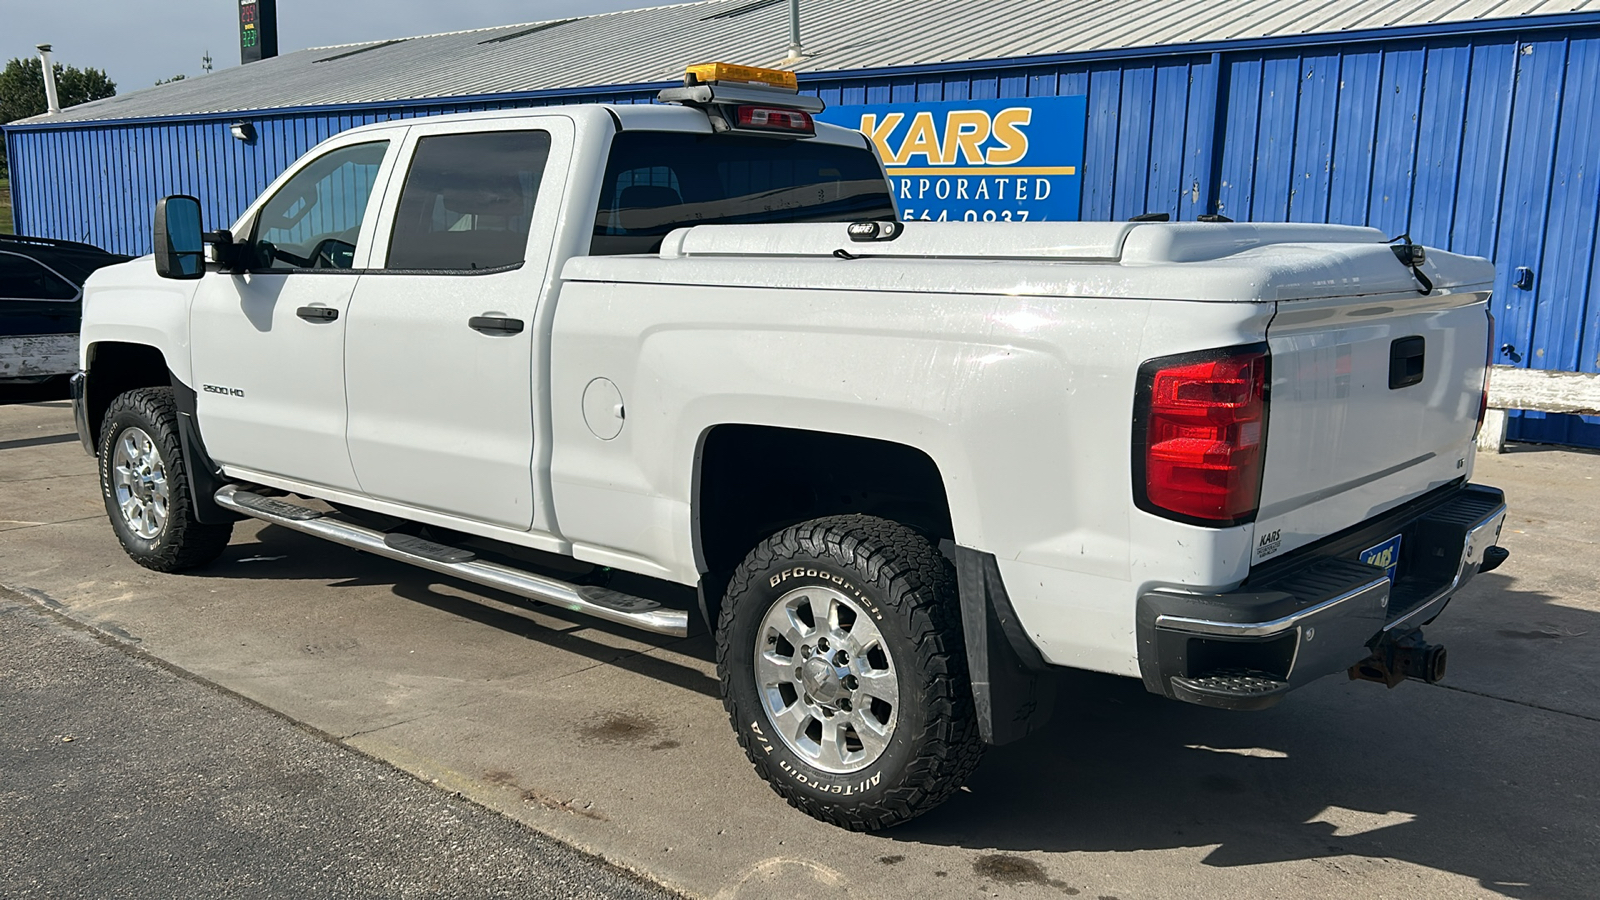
(604, 356)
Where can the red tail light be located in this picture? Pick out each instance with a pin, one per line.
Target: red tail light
(1199, 430)
(775, 118)
(1488, 360)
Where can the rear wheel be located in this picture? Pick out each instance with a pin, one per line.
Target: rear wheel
(844, 674)
(146, 488)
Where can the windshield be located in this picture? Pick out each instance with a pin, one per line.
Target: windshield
(660, 180)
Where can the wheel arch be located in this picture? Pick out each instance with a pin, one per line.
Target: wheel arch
(115, 367)
(751, 481)
(1013, 688)
(112, 368)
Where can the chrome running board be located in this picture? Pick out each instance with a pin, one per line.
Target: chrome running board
(602, 603)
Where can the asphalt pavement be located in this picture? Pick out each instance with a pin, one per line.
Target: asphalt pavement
(122, 777)
(614, 742)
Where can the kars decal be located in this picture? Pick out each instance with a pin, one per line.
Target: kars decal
(1269, 543)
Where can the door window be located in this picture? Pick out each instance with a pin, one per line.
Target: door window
(468, 201)
(23, 279)
(312, 222)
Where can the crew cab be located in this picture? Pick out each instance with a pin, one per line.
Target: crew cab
(682, 362)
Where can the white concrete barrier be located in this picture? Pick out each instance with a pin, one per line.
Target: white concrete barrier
(1537, 390)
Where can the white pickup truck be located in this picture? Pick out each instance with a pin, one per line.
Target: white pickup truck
(656, 363)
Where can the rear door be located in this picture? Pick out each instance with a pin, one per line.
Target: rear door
(268, 345)
(1374, 401)
(444, 332)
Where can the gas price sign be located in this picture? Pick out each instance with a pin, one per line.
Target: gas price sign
(1018, 160)
(258, 30)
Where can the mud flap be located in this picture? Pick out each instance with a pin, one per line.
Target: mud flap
(204, 476)
(1013, 688)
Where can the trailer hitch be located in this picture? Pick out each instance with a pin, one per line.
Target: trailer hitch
(1395, 659)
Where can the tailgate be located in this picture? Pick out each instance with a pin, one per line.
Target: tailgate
(1374, 401)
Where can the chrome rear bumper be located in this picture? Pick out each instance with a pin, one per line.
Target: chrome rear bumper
(1319, 611)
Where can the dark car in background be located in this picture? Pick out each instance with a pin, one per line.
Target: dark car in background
(41, 306)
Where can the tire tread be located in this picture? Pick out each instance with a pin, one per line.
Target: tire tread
(188, 544)
(918, 583)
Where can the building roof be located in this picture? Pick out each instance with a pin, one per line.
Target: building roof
(645, 47)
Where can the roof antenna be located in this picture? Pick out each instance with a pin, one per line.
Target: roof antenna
(796, 53)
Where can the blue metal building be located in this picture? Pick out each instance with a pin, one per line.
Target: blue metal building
(1469, 125)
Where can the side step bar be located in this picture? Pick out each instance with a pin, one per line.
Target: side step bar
(602, 603)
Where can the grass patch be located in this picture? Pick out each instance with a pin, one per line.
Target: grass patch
(5, 207)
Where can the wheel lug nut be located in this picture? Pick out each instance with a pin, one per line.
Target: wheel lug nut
(844, 705)
(841, 658)
(822, 644)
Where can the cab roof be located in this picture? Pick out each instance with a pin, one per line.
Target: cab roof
(629, 116)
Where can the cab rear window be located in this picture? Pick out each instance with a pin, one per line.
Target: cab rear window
(656, 181)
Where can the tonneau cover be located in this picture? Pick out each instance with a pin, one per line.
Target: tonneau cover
(1219, 262)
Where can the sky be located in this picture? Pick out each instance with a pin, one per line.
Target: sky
(139, 42)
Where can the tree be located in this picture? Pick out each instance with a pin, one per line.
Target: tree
(22, 90)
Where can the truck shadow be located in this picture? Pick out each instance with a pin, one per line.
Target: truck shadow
(279, 553)
(1456, 780)
(1463, 778)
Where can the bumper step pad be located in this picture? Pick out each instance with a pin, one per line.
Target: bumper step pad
(1231, 689)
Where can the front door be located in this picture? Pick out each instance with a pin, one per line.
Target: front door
(441, 349)
(268, 345)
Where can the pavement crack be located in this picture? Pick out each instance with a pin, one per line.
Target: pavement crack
(357, 734)
(1548, 709)
(47, 477)
(632, 654)
(25, 527)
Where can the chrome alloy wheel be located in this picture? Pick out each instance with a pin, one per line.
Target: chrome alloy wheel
(826, 679)
(139, 478)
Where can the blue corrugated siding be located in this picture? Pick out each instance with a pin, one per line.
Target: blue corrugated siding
(100, 184)
(1484, 144)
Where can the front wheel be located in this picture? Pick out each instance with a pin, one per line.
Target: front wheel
(844, 673)
(146, 491)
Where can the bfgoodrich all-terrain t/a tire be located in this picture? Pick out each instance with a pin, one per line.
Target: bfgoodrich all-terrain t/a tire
(144, 483)
(844, 674)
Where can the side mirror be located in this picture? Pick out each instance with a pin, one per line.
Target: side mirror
(179, 253)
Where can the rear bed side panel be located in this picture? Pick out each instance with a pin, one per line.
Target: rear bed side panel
(1342, 444)
(1024, 403)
